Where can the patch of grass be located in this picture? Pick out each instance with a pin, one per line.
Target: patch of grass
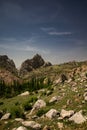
(16, 112)
(41, 112)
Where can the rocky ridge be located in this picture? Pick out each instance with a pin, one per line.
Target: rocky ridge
(31, 64)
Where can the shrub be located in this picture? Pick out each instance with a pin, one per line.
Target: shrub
(27, 106)
(41, 112)
(32, 99)
(16, 112)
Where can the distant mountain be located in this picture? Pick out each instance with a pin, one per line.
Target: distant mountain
(30, 64)
(7, 64)
(8, 71)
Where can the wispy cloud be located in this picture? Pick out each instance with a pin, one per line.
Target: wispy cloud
(47, 29)
(59, 33)
(22, 45)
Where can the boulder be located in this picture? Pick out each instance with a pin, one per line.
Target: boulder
(54, 99)
(21, 128)
(65, 113)
(51, 113)
(6, 116)
(32, 124)
(85, 96)
(78, 118)
(19, 119)
(24, 94)
(39, 104)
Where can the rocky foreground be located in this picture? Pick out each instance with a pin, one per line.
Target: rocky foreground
(60, 106)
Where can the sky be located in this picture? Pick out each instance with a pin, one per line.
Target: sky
(55, 29)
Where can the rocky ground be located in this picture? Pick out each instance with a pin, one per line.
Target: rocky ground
(62, 106)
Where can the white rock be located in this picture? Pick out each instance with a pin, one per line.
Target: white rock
(32, 124)
(21, 128)
(24, 94)
(85, 94)
(54, 99)
(39, 104)
(51, 113)
(19, 119)
(85, 98)
(65, 113)
(78, 118)
(6, 116)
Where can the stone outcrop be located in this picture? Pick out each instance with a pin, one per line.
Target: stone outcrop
(51, 113)
(32, 124)
(21, 128)
(6, 116)
(38, 104)
(65, 113)
(24, 94)
(30, 64)
(78, 118)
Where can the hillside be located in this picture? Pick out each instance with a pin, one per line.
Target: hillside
(49, 98)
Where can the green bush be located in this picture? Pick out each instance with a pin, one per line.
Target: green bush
(41, 112)
(32, 99)
(16, 112)
(27, 106)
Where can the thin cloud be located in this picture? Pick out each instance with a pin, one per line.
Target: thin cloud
(47, 29)
(21, 45)
(59, 33)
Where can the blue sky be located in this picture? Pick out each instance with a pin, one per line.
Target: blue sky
(56, 29)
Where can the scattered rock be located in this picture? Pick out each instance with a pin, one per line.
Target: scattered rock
(51, 113)
(85, 96)
(21, 128)
(46, 128)
(6, 116)
(57, 81)
(32, 124)
(65, 113)
(19, 119)
(54, 99)
(39, 104)
(77, 118)
(24, 94)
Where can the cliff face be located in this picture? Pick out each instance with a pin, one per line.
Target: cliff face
(8, 71)
(30, 64)
(7, 64)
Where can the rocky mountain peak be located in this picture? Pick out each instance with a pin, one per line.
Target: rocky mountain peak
(30, 64)
(8, 64)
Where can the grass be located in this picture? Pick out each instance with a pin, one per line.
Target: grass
(19, 104)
